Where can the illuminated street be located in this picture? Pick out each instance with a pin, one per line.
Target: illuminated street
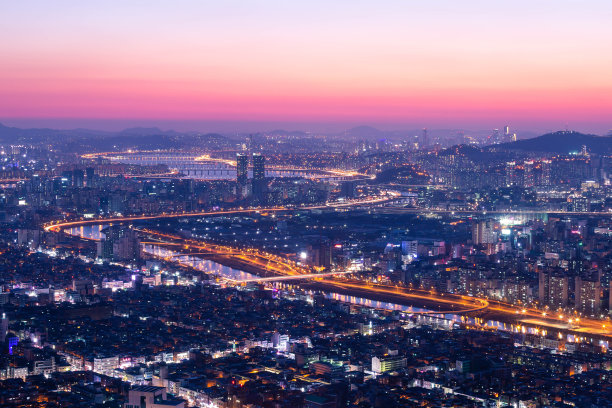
(273, 268)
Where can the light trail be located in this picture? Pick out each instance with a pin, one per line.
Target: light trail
(469, 304)
(286, 269)
(57, 226)
(12, 180)
(394, 210)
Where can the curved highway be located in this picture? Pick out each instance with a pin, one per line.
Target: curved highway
(56, 226)
(273, 267)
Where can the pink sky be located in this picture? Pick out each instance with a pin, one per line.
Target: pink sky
(478, 64)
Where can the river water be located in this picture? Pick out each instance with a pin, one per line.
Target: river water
(235, 275)
(207, 266)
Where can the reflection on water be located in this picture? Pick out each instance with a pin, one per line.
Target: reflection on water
(88, 231)
(451, 318)
(214, 268)
(204, 265)
(374, 303)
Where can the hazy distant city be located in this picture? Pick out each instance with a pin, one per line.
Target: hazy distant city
(305, 205)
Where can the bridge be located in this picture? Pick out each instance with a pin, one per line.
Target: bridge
(205, 167)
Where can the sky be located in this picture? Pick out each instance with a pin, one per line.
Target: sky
(536, 64)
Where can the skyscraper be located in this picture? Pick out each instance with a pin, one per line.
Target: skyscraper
(483, 232)
(553, 290)
(242, 175)
(78, 178)
(545, 175)
(424, 142)
(259, 169)
(528, 174)
(259, 175)
(588, 295)
(90, 172)
(3, 327)
(508, 137)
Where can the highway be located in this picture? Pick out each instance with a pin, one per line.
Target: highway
(264, 264)
(400, 210)
(271, 267)
(437, 303)
(56, 226)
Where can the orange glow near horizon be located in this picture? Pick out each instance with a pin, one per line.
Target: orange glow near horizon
(441, 63)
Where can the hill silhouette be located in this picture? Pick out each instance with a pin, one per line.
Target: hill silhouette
(563, 142)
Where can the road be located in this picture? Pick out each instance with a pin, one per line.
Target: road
(399, 210)
(470, 305)
(56, 226)
(273, 266)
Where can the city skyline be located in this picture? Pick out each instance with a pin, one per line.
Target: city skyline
(537, 66)
(280, 204)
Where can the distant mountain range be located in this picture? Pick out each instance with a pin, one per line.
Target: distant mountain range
(155, 138)
(563, 142)
(84, 139)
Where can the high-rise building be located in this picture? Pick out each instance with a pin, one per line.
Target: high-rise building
(424, 142)
(511, 177)
(3, 327)
(259, 169)
(66, 179)
(90, 173)
(545, 173)
(508, 137)
(528, 174)
(495, 137)
(321, 254)
(410, 248)
(119, 244)
(483, 232)
(588, 295)
(259, 175)
(553, 290)
(348, 189)
(78, 178)
(242, 167)
(242, 174)
(578, 203)
(543, 287)
(558, 291)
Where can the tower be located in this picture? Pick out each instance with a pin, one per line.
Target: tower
(508, 137)
(90, 173)
(3, 327)
(424, 138)
(242, 168)
(528, 175)
(259, 175)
